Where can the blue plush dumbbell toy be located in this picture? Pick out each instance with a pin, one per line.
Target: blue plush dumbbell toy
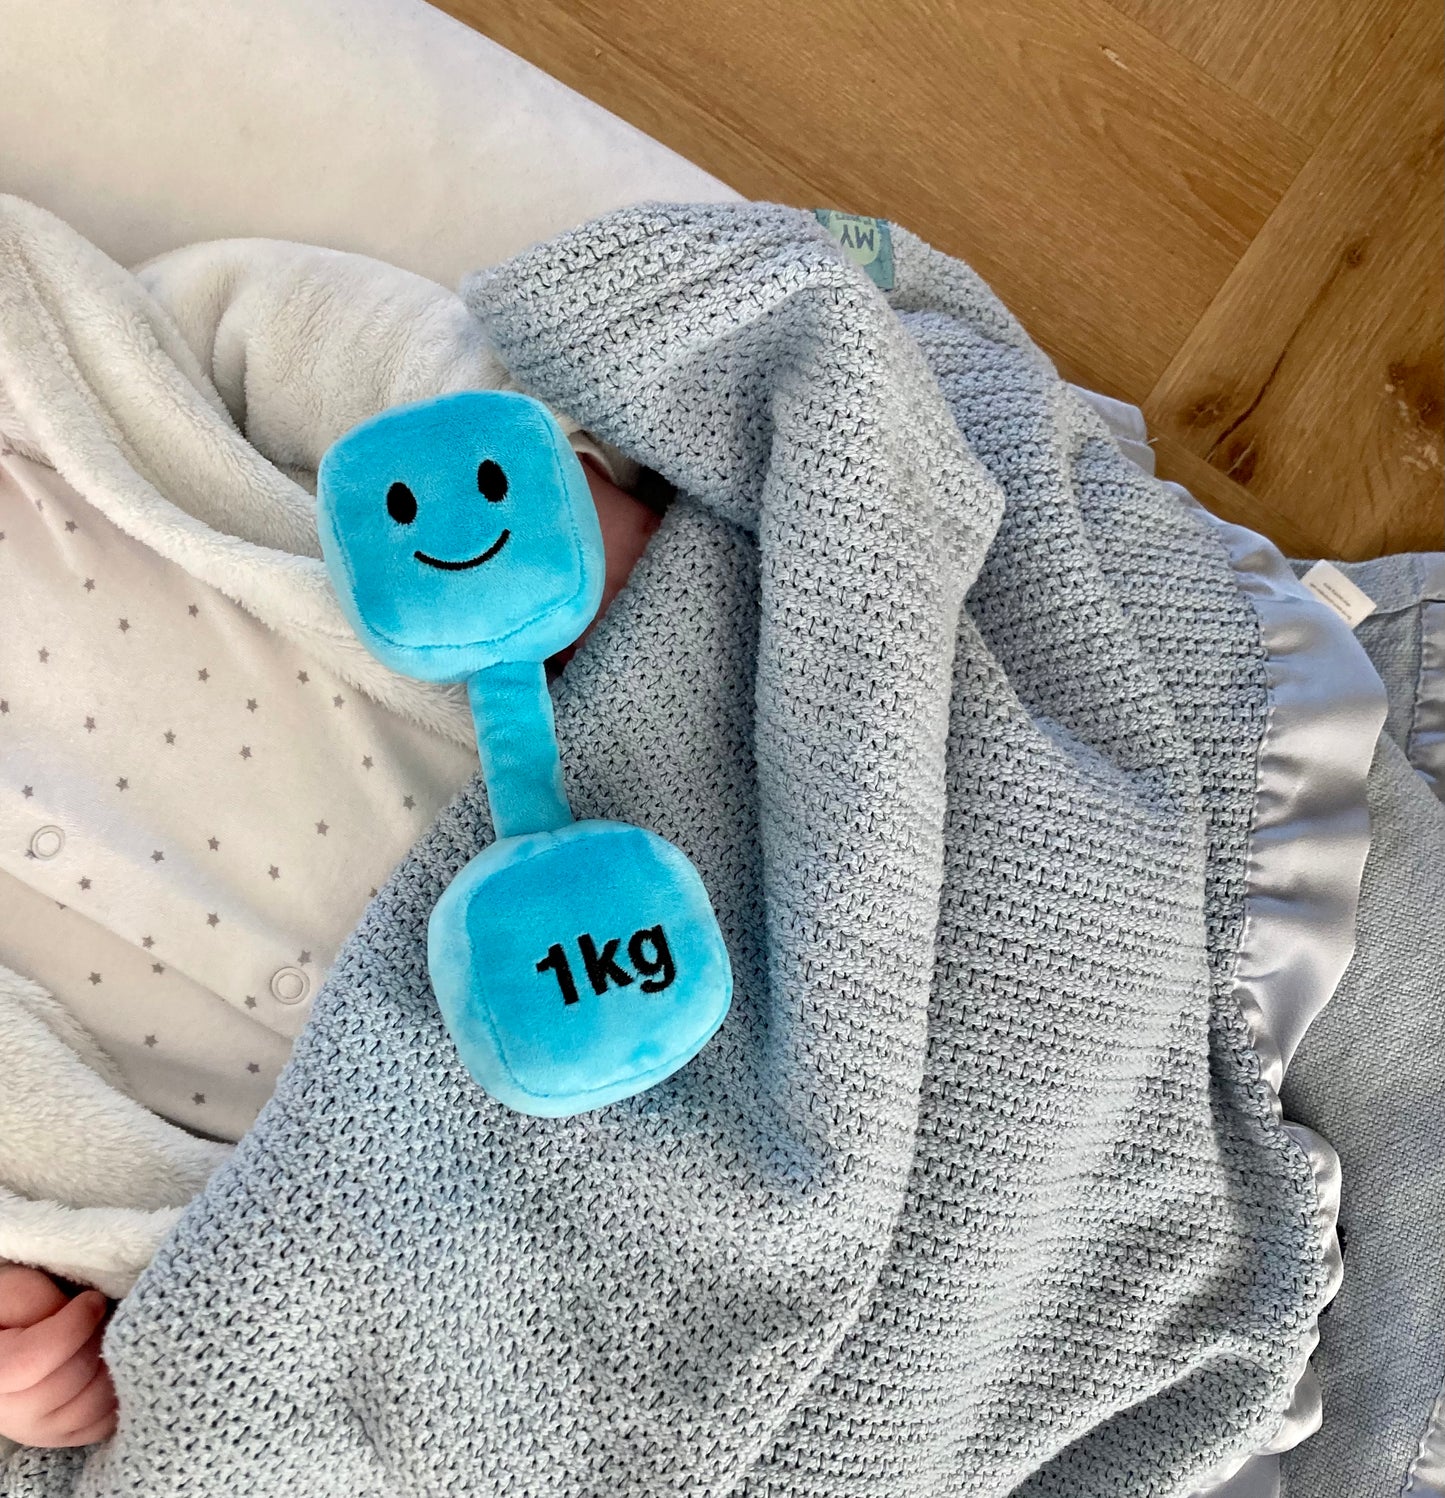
(575, 963)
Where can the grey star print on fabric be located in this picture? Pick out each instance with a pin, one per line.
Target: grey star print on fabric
(161, 998)
(95, 978)
(27, 791)
(70, 525)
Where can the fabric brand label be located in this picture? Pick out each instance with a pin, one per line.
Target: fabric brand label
(1332, 587)
(867, 242)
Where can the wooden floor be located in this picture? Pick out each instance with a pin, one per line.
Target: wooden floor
(1228, 212)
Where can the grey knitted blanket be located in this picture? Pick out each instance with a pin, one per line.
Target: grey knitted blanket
(978, 1191)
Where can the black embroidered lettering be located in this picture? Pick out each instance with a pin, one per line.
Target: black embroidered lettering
(601, 967)
(556, 961)
(658, 961)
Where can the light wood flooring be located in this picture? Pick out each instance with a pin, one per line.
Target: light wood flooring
(1229, 212)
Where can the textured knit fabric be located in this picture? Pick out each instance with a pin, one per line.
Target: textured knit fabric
(978, 1189)
(1381, 1359)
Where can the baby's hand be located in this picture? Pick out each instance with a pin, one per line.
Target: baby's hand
(54, 1389)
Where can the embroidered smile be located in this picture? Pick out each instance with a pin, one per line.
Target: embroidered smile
(446, 566)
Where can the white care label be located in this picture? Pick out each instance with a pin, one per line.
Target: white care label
(1332, 587)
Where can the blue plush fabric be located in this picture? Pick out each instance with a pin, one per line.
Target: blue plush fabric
(577, 967)
(979, 1190)
(460, 533)
(517, 746)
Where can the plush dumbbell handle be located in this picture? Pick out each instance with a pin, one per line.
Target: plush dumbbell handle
(517, 745)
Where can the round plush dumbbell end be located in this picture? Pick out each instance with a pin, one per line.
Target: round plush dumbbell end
(577, 967)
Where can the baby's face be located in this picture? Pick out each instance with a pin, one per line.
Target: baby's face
(460, 532)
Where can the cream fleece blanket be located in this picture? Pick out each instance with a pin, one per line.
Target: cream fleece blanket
(190, 402)
(90, 1181)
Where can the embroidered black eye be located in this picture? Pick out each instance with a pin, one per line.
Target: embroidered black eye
(492, 481)
(401, 504)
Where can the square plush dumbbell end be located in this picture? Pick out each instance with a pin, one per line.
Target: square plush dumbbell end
(460, 532)
(577, 967)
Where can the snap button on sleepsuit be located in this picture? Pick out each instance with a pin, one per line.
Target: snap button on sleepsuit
(46, 842)
(289, 985)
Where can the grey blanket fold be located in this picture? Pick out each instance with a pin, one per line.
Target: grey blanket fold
(978, 1190)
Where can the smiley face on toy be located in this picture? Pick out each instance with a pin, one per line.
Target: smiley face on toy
(460, 532)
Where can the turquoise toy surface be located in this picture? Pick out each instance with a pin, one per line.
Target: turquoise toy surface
(460, 534)
(575, 963)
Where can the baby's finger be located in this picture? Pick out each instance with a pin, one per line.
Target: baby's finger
(57, 1389)
(94, 1405)
(102, 1430)
(31, 1353)
(27, 1295)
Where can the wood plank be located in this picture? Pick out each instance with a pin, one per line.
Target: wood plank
(1104, 185)
(1315, 377)
(1298, 61)
(1219, 493)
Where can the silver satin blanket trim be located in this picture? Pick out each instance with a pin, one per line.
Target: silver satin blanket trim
(1426, 746)
(1426, 750)
(1307, 853)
